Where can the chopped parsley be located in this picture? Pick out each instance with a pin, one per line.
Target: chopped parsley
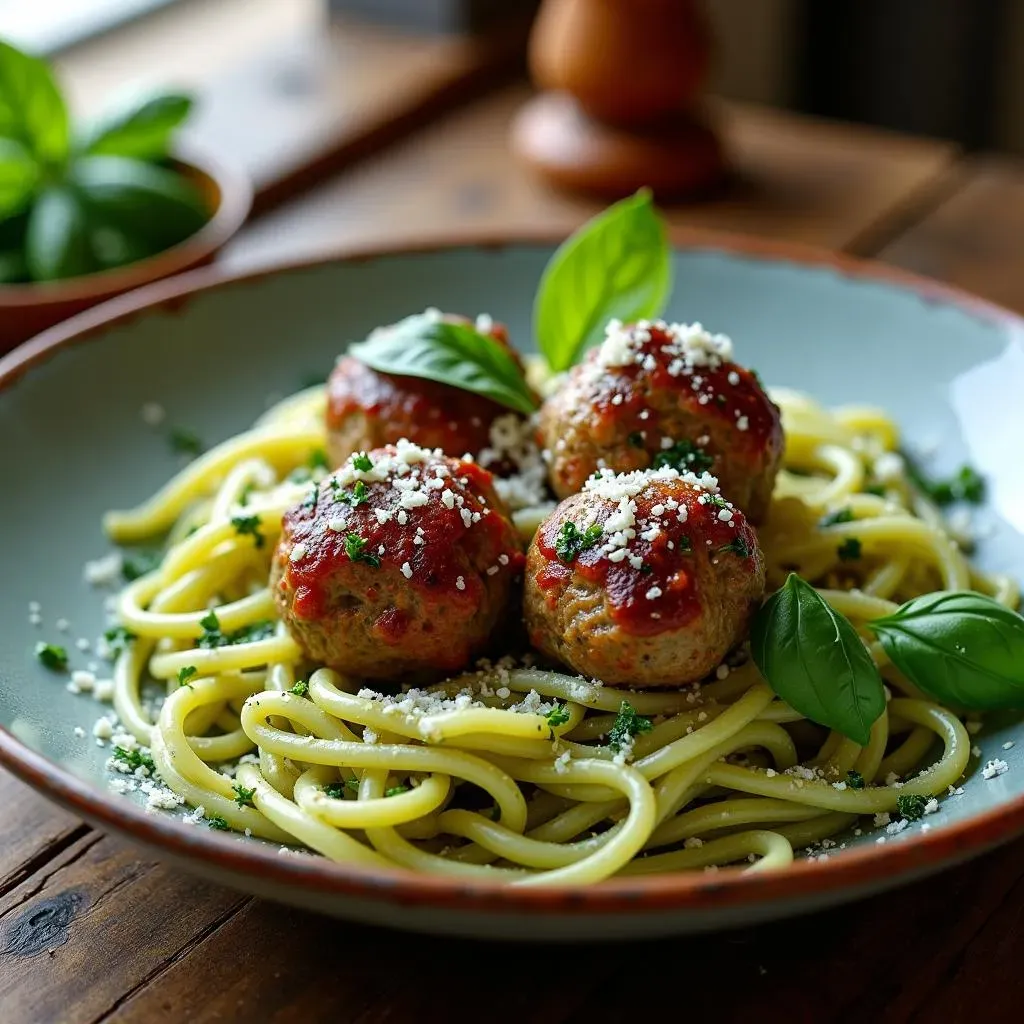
(140, 564)
(757, 378)
(118, 639)
(213, 635)
(318, 459)
(300, 689)
(636, 439)
(185, 442)
(134, 759)
(558, 715)
(218, 822)
(878, 490)
(249, 526)
(395, 790)
(359, 493)
(311, 499)
(684, 456)
(52, 656)
(849, 550)
(684, 544)
(254, 632)
(335, 790)
(627, 725)
(965, 485)
(243, 796)
(352, 784)
(911, 806)
(737, 546)
(355, 548)
(243, 498)
(186, 674)
(854, 779)
(571, 541)
(841, 515)
(362, 462)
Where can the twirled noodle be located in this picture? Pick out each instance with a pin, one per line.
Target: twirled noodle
(469, 778)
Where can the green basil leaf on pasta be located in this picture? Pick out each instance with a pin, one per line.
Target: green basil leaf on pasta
(450, 353)
(32, 110)
(19, 175)
(141, 127)
(57, 243)
(814, 660)
(617, 266)
(958, 646)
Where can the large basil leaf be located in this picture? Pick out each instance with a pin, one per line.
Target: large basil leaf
(616, 266)
(57, 238)
(814, 660)
(19, 175)
(141, 127)
(958, 646)
(32, 110)
(450, 353)
(155, 207)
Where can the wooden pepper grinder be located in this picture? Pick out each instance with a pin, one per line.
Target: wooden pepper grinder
(619, 110)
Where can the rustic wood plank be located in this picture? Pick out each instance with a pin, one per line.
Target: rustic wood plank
(795, 179)
(93, 924)
(874, 961)
(285, 95)
(974, 239)
(34, 830)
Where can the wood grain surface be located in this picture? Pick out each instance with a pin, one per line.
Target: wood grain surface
(90, 931)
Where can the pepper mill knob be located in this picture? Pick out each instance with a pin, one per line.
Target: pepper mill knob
(619, 110)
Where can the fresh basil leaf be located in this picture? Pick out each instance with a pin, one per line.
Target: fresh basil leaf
(958, 646)
(450, 353)
(32, 110)
(616, 266)
(57, 240)
(19, 175)
(153, 206)
(814, 660)
(13, 269)
(140, 127)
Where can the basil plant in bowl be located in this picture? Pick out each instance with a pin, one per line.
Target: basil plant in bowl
(93, 210)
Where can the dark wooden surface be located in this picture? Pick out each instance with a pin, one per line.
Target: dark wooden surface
(90, 930)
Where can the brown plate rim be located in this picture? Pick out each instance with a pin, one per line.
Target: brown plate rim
(875, 865)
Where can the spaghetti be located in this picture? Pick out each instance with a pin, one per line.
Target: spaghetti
(505, 772)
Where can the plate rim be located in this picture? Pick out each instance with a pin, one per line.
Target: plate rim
(874, 866)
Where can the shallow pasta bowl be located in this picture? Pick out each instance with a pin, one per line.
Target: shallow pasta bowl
(212, 351)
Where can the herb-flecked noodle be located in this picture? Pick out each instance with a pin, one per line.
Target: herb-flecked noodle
(513, 772)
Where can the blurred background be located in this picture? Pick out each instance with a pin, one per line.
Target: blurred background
(946, 68)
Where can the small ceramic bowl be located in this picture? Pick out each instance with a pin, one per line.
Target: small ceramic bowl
(27, 309)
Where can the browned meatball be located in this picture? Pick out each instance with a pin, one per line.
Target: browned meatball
(656, 394)
(401, 565)
(367, 409)
(646, 579)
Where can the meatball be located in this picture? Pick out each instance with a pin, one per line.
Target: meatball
(657, 394)
(645, 579)
(367, 409)
(400, 565)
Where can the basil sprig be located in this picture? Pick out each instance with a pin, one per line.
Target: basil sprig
(616, 266)
(813, 659)
(958, 646)
(78, 202)
(450, 353)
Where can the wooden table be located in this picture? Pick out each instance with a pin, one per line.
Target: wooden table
(91, 932)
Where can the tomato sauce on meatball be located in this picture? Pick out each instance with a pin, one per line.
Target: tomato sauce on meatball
(656, 394)
(644, 579)
(400, 565)
(367, 409)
